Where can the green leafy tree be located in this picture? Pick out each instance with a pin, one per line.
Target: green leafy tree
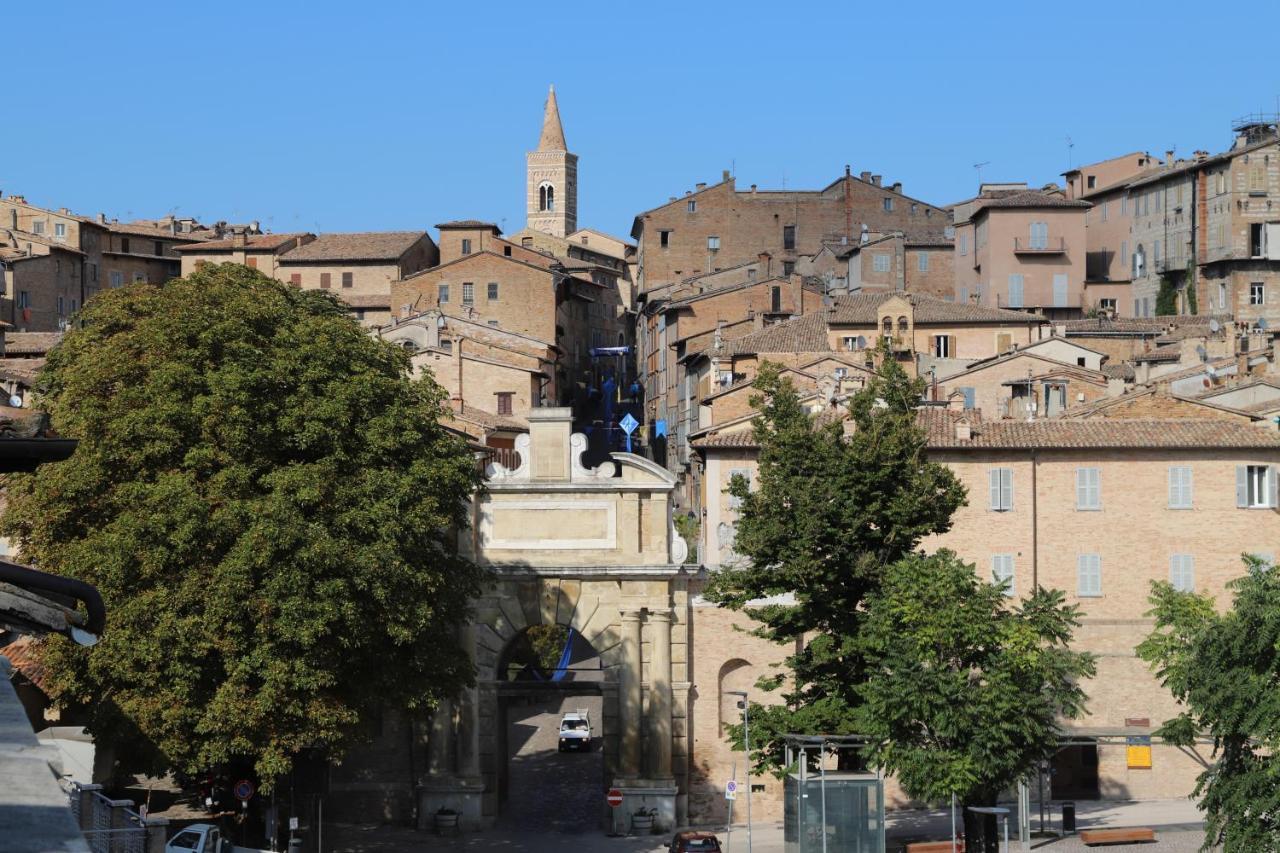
(1224, 668)
(829, 515)
(1166, 298)
(964, 688)
(267, 502)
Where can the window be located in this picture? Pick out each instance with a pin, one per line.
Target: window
(61, 307)
(93, 272)
(888, 204)
(1255, 486)
(139, 277)
(1088, 488)
(1124, 205)
(252, 263)
(880, 262)
(944, 346)
(744, 473)
(1155, 253)
(788, 267)
(1060, 288)
(1002, 572)
(775, 299)
(295, 279)
(713, 244)
(188, 840)
(493, 291)
(1015, 290)
(73, 306)
(1001, 488)
(506, 251)
(124, 245)
(24, 299)
(442, 293)
(1102, 212)
(466, 245)
(850, 343)
(970, 396)
(326, 280)
(1222, 294)
(1088, 575)
(446, 344)
(527, 242)
(1124, 253)
(922, 262)
(1107, 304)
(1179, 487)
(963, 244)
(1092, 181)
(693, 205)
(348, 279)
(504, 402)
(1257, 293)
(1039, 235)
(60, 231)
(159, 248)
(788, 237)
(664, 239)
(1182, 572)
(468, 293)
(116, 278)
(37, 227)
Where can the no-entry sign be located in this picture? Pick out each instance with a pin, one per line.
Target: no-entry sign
(614, 797)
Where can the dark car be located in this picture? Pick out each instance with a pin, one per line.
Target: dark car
(694, 842)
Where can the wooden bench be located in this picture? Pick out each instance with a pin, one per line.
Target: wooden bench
(934, 847)
(1133, 835)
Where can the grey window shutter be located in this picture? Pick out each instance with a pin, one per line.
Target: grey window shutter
(994, 475)
(1006, 485)
(1242, 485)
(969, 395)
(1274, 485)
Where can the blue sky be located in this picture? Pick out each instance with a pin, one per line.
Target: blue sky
(338, 116)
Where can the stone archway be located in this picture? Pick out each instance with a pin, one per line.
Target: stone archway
(594, 550)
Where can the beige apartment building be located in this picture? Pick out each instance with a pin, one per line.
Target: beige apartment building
(261, 252)
(920, 263)
(1021, 248)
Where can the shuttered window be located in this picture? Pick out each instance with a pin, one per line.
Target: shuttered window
(1002, 572)
(1015, 290)
(1088, 488)
(1182, 572)
(1001, 489)
(744, 473)
(1256, 486)
(1088, 575)
(1060, 290)
(1179, 487)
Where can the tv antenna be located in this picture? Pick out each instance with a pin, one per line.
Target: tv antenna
(1070, 146)
(979, 166)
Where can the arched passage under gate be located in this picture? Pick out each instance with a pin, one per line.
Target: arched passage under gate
(594, 551)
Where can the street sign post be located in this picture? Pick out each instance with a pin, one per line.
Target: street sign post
(731, 789)
(614, 799)
(243, 790)
(628, 424)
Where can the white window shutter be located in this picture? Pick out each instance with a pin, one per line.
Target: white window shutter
(1081, 491)
(1006, 485)
(994, 475)
(1242, 485)
(1175, 485)
(1273, 487)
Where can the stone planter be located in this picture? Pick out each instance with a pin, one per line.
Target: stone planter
(446, 823)
(642, 824)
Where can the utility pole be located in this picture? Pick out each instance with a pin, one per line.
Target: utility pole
(746, 744)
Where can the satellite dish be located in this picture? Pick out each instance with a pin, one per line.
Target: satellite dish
(1215, 326)
(15, 401)
(862, 342)
(1262, 322)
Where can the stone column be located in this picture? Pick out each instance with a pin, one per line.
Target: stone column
(630, 702)
(439, 752)
(468, 716)
(660, 693)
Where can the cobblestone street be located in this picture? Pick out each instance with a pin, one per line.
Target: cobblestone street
(549, 791)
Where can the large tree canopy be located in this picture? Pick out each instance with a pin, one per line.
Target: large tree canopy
(830, 513)
(1224, 669)
(965, 689)
(265, 499)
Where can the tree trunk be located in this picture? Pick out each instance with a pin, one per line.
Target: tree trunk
(981, 831)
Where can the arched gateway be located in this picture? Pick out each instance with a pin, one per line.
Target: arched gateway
(594, 550)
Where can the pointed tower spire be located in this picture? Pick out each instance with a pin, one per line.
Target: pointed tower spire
(552, 131)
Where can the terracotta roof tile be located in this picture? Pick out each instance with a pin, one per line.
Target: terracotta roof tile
(489, 420)
(1029, 198)
(807, 333)
(23, 653)
(30, 343)
(257, 242)
(359, 246)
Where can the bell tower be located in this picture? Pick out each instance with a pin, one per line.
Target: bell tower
(552, 178)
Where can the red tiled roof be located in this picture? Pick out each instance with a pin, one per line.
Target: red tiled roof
(257, 242)
(861, 309)
(23, 653)
(359, 246)
(30, 343)
(806, 333)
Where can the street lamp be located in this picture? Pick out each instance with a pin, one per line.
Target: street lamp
(746, 744)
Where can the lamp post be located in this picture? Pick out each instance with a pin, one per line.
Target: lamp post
(746, 744)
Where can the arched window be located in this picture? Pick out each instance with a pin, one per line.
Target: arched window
(902, 324)
(888, 325)
(551, 198)
(546, 197)
(542, 198)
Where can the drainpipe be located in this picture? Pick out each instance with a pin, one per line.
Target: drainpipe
(1035, 526)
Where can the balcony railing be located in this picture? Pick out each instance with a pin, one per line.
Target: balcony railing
(1046, 246)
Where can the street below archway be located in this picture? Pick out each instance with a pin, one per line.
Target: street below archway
(550, 791)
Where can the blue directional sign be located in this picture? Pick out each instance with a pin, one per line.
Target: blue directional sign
(628, 425)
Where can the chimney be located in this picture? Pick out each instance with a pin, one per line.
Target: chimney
(875, 179)
(865, 177)
(724, 175)
(253, 226)
(797, 294)
(102, 219)
(1242, 365)
(897, 186)
(1168, 157)
(847, 173)
(173, 226)
(700, 186)
(753, 189)
(241, 239)
(964, 431)
(764, 259)
(719, 337)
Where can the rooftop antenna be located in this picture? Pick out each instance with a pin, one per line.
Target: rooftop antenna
(1070, 146)
(979, 166)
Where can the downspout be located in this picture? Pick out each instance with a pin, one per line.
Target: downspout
(1035, 525)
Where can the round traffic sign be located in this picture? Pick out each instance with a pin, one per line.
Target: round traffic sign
(243, 790)
(614, 798)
